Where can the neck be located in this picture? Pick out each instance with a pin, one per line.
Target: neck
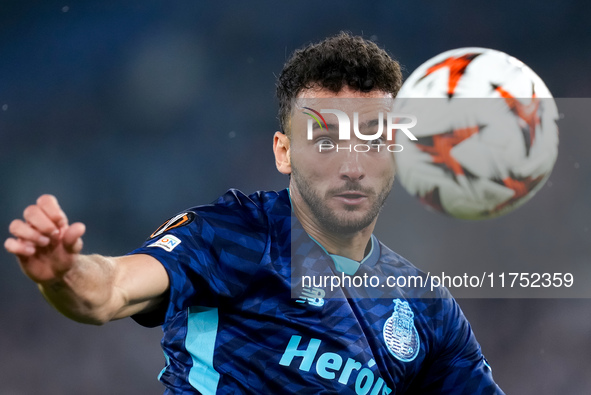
(350, 245)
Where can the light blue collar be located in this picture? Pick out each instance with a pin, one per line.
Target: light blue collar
(290, 203)
(348, 265)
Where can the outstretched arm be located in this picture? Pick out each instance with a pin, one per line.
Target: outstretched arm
(92, 289)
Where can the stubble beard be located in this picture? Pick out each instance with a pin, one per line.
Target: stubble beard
(340, 223)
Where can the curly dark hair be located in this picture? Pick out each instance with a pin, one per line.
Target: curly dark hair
(332, 63)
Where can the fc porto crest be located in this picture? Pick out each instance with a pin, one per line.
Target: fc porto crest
(400, 333)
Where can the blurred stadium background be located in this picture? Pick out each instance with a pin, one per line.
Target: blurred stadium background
(131, 112)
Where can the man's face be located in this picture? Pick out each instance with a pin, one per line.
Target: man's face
(342, 190)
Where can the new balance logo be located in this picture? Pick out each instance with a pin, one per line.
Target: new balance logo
(312, 296)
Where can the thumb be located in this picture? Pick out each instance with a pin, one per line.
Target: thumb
(71, 239)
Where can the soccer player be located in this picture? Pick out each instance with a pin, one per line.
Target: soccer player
(219, 278)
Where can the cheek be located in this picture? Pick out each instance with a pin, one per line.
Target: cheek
(392, 169)
(386, 173)
(315, 177)
(311, 165)
(384, 165)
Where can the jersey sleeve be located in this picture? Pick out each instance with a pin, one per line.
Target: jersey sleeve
(459, 366)
(206, 260)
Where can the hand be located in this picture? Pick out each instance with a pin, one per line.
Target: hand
(45, 245)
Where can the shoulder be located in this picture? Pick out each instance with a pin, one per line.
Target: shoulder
(397, 266)
(256, 207)
(417, 286)
(258, 201)
(233, 210)
(395, 260)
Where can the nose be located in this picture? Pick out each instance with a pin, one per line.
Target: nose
(351, 168)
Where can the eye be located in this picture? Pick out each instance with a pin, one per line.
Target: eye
(324, 144)
(379, 140)
(324, 140)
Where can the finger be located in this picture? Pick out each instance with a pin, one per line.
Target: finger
(24, 231)
(37, 218)
(51, 207)
(72, 238)
(19, 247)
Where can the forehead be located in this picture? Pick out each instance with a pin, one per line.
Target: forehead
(346, 100)
(346, 92)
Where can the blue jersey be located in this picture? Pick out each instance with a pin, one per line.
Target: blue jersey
(233, 324)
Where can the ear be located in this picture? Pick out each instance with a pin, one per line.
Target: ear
(281, 146)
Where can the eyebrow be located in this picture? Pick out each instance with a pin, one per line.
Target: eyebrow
(372, 123)
(334, 127)
(331, 127)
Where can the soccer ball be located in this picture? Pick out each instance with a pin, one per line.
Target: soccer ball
(486, 133)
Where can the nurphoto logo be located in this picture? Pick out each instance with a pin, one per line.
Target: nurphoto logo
(392, 122)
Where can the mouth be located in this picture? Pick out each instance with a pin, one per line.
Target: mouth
(351, 197)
